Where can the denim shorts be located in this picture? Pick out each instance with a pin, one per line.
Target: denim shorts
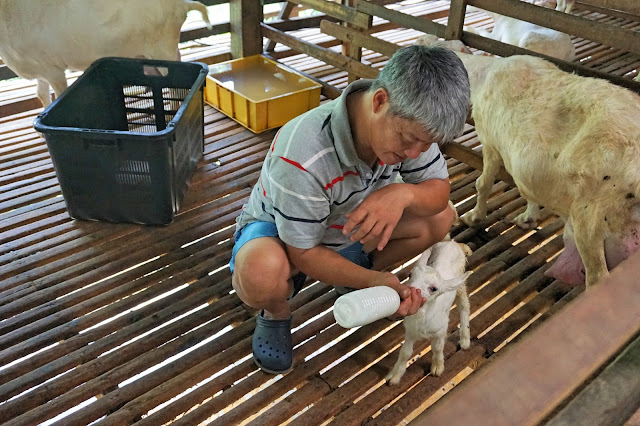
(259, 229)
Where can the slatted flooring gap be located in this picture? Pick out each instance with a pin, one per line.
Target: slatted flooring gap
(90, 310)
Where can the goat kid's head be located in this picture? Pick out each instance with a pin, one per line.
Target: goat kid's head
(429, 280)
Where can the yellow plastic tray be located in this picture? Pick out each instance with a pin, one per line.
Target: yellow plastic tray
(259, 93)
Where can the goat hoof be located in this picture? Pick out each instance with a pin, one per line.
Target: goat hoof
(437, 370)
(525, 222)
(471, 218)
(465, 343)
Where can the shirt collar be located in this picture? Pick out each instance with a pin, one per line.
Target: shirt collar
(341, 129)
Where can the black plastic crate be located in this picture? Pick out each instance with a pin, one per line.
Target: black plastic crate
(126, 137)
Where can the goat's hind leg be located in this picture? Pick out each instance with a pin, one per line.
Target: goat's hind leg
(406, 351)
(491, 165)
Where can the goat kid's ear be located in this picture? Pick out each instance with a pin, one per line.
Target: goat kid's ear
(424, 257)
(458, 281)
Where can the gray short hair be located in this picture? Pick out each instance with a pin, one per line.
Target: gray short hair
(430, 85)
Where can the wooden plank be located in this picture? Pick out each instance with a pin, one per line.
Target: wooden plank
(609, 399)
(576, 341)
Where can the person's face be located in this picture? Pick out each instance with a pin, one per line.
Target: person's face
(394, 139)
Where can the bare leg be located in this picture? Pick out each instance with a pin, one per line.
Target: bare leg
(406, 351)
(261, 276)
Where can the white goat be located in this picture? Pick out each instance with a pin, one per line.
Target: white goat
(440, 274)
(40, 39)
(528, 36)
(571, 144)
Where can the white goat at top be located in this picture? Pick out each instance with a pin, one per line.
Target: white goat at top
(528, 36)
(40, 39)
(440, 274)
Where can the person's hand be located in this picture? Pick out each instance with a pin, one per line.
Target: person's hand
(410, 304)
(410, 298)
(376, 217)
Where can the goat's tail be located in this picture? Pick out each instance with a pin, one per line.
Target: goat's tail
(196, 5)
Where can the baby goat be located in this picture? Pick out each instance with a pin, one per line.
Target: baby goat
(440, 274)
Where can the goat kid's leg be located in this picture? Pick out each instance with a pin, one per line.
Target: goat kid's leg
(406, 351)
(492, 162)
(437, 354)
(462, 301)
(528, 219)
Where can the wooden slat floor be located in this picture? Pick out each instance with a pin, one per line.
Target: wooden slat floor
(126, 323)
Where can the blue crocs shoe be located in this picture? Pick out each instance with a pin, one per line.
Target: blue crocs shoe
(272, 345)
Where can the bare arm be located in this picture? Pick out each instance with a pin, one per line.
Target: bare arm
(331, 268)
(378, 215)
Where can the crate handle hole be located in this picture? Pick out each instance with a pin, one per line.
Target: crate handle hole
(154, 71)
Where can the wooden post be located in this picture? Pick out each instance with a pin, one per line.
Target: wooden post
(246, 34)
(349, 48)
(456, 20)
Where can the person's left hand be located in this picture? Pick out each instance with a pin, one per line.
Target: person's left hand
(410, 304)
(377, 216)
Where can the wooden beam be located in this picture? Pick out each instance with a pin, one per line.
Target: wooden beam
(525, 384)
(610, 12)
(359, 38)
(336, 10)
(320, 53)
(402, 19)
(608, 35)
(245, 19)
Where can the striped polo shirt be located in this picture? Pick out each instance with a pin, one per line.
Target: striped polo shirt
(312, 177)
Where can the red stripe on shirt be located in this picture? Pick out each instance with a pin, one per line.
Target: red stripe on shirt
(339, 179)
(380, 162)
(294, 163)
(337, 226)
(264, 193)
(273, 145)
